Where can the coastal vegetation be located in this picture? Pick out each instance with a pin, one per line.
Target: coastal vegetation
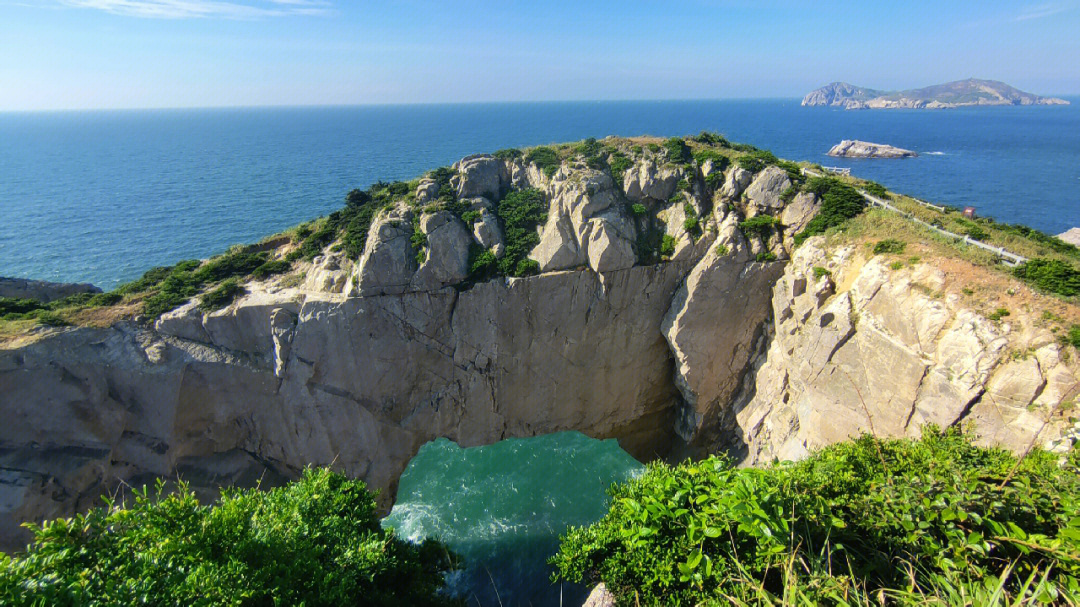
(936, 520)
(315, 541)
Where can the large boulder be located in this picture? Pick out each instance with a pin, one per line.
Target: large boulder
(481, 175)
(328, 273)
(447, 252)
(764, 193)
(389, 260)
(737, 180)
(646, 180)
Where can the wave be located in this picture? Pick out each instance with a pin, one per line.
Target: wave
(935, 153)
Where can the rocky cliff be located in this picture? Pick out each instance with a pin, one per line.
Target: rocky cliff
(718, 342)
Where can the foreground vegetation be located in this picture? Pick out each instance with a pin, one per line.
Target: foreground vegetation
(313, 542)
(936, 520)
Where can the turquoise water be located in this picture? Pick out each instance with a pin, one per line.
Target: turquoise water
(103, 196)
(503, 506)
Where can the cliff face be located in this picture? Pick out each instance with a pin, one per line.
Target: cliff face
(359, 364)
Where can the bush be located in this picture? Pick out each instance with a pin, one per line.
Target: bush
(638, 210)
(839, 202)
(545, 158)
(714, 180)
(483, 264)
(1051, 275)
(221, 296)
(998, 314)
(270, 268)
(667, 245)
(756, 160)
(888, 246)
(765, 256)
(719, 161)
(759, 225)
(722, 250)
(1073, 336)
(677, 150)
(876, 189)
(1053, 242)
(508, 154)
(894, 520)
(977, 233)
(691, 224)
(470, 217)
(618, 164)
(820, 271)
(521, 211)
(714, 139)
(316, 541)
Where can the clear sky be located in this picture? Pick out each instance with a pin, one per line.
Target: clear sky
(57, 54)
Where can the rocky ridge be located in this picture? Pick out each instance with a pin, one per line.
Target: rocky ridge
(961, 93)
(693, 345)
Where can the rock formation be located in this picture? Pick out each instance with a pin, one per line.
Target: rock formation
(852, 148)
(21, 288)
(724, 344)
(1071, 236)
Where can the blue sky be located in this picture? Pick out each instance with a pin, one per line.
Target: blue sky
(57, 54)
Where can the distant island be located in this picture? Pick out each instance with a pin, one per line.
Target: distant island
(961, 93)
(853, 148)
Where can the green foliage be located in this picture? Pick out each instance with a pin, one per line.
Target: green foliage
(889, 245)
(756, 160)
(691, 224)
(977, 233)
(418, 239)
(998, 314)
(11, 305)
(793, 170)
(520, 211)
(313, 542)
(766, 256)
(547, 159)
(1073, 336)
(759, 225)
(713, 139)
(508, 154)
(677, 150)
(1051, 275)
(588, 148)
(876, 189)
(888, 519)
(269, 268)
(714, 180)
(470, 217)
(721, 250)
(221, 296)
(719, 161)
(483, 265)
(683, 185)
(618, 164)
(654, 147)
(1053, 242)
(667, 245)
(839, 202)
(820, 271)
(638, 210)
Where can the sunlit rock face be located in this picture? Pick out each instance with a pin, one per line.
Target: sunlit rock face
(722, 345)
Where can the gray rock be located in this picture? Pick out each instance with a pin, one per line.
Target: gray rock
(763, 195)
(488, 233)
(1071, 236)
(427, 191)
(389, 260)
(481, 175)
(447, 259)
(849, 148)
(22, 288)
(737, 181)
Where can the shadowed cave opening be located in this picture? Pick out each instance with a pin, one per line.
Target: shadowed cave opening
(502, 508)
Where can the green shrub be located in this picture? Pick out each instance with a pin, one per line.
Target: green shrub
(508, 154)
(654, 147)
(691, 224)
(977, 233)
(618, 164)
(839, 202)
(638, 210)
(888, 246)
(820, 271)
(483, 264)
(765, 256)
(714, 139)
(316, 541)
(545, 158)
(759, 225)
(886, 520)
(998, 314)
(719, 161)
(11, 305)
(221, 296)
(1073, 336)
(722, 250)
(1053, 242)
(521, 212)
(270, 268)
(876, 189)
(470, 217)
(677, 150)
(1051, 275)
(714, 180)
(588, 148)
(667, 245)
(756, 160)
(683, 185)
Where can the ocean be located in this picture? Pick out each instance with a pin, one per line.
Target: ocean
(102, 196)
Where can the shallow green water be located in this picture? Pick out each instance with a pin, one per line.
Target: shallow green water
(503, 506)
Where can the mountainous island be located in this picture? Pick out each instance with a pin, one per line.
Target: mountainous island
(961, 93)
(687, 296)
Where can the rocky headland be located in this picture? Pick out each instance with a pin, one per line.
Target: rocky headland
(40, 290)
(663, 293)
(853, 148)
(961, 93)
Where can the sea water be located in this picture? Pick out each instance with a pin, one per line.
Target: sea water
(102, 196)
(502, 507)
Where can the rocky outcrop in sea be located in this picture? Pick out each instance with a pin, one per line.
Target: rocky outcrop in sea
(853, 148)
